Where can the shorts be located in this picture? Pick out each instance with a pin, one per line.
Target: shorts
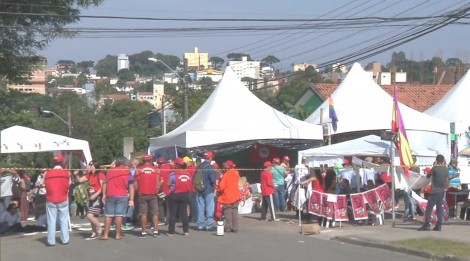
(116, 207)
(148, 203)
(95, 207)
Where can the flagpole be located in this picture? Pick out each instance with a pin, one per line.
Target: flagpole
(392, 172)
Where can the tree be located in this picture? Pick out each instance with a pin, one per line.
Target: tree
(216, 62)
(107, 67)
(238, 56)
(270, 60)
(454, 62)
(84, 66)
(125, 75)
(24, 33)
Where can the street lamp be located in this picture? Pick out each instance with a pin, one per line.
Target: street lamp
(68, 122)
(185, 94)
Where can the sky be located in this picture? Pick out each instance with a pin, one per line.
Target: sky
(318, 32)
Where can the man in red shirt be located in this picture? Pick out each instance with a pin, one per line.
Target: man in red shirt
(267, 190)
(180, 184)
(118, 193)
(165, 170)
(57, 182)
(147, 184)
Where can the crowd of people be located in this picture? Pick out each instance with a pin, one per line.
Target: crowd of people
(156, 192)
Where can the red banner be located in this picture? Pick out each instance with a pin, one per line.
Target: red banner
(341, 208)
(359, 206)
(327, 206)
(384, 195)
(315, 206)
(371, 198)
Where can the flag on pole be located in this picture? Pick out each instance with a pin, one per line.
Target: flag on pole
(332, 114)
(401, 142)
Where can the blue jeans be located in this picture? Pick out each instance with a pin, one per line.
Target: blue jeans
(193, 206)
(435, 199)
(205, 205)
(57, 212)
(4, 202)
(279, 197)
(409, 205)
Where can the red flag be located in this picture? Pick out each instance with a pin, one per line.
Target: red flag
(403, 147)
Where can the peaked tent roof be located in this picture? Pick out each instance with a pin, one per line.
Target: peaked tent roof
(232, 113)
(453, 107)
(19, 139)
(361, 104)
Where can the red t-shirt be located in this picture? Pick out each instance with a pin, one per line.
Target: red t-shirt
(146, 178)
(94, 180)
(117, 181)
(165, 171)
(266, 178)
(317, 186)
(191, 170)
(183, 181)
(57, 182)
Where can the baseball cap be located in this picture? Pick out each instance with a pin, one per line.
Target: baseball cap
(187, 159)
(208, 154)
(179, 161)
(267, 164)
(427, 170)
(230, 164)
(160, 160)
(276, 161)
(58, 158)
(148, 157)
(215, 165)
(346, 162)
(286, 158)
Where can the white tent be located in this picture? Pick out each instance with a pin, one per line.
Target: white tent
(370, 145)
(453, 107)
(19, 139)
(232, 113)
(362, 105)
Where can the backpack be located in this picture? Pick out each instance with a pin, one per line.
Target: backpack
(198, 180)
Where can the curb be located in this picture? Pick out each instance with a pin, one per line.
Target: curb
(390, 247)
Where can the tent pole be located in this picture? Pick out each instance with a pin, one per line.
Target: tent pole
(392, 170)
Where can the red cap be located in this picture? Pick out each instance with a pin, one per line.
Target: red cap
(208, 154)
(286, 158)
(160, 160)
(346, 162)
(267, 164)
(276, 161)
(179, 161)
(148, 157)
(230, 164)
(427, 170)
(215, 165)
(58, 158)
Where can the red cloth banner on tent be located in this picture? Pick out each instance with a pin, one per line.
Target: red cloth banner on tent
(341, 208)
(385, 195)
(371, 198)
(327, 206)
(359, 206)
(315, 204)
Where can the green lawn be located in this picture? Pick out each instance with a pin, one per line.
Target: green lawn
(440, 247)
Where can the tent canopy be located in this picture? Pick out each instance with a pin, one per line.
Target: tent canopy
(453, 107)
(370, 145)
(19, 139)
(231, 114)
(361, 104)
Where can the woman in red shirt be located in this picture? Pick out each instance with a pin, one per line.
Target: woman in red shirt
(229, 196)
(95, 177)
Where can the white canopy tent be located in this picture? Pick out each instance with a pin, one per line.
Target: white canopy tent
(362, 105)
(19, 139)
(231, 114)
(370, 145)
(453, 107)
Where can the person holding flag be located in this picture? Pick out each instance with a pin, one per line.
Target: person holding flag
(401, 141)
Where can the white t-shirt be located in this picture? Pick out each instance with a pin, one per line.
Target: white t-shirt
(6, 183)
(301, 172)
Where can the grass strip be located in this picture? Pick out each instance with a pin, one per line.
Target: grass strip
(436, 246)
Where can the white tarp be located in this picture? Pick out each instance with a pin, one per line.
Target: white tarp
(362, 105)
(370, 145)
(232, 113)
(19, 139)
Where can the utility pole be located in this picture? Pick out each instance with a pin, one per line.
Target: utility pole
(185, 89)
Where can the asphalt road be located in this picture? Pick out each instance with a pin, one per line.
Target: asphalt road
(256, 240)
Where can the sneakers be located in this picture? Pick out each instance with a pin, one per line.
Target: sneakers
(112, 228)
(276, 220)
(155, 234)
(143, 235)
(127, 227)
(161, 223)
